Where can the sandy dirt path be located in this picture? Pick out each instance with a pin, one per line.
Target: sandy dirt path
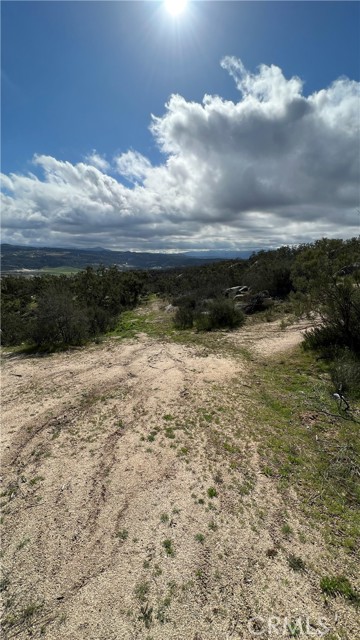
(269, 338)
(133, 500)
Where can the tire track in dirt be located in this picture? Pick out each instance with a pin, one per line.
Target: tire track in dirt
(267, 339)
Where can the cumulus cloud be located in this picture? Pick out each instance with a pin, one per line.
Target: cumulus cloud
(274, 167)
(133, 166)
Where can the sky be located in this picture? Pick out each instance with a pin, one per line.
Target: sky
(231, 125)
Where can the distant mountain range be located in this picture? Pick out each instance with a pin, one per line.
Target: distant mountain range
(15, 258)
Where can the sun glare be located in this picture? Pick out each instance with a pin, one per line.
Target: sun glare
(175, 6)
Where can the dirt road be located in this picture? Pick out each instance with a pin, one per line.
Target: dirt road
(134, 505)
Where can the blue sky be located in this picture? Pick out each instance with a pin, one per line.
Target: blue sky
(80, 81)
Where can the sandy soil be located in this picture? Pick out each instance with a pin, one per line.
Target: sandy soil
(109, 529)
(269, 338)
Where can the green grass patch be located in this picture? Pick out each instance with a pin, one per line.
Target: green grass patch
(339, 586)
(142, 320)
(59, 271)
(307, 444)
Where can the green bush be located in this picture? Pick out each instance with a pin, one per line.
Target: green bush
(339, 306)
(59, 320)
(184, 318)
(14, 328)
(345, 373)
(324, 338)
(221, 314)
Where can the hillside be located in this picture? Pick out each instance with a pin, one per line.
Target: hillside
(20, 258)
(178, 486)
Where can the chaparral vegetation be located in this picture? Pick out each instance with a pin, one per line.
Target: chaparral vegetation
(181, 449)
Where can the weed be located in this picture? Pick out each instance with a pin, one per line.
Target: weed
(162, 609)
(36, 479)
(230, 448)
(212, 525)
(207, 417)
(23, 543)
(30, 610)
(4, 583)
(146, 615)
(339, 586)
(23, 617)
(142, 591)
(286, 529)
(294, 629)
(268, 471)
(200, 538)
(164, 518)
(122, 535)
(169, 549)
(212, 493)
(296, 563)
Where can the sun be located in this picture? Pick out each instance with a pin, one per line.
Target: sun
(175, 6)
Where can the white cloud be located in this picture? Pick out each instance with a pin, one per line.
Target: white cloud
(97, 161)
(133, 166)
(274, 167)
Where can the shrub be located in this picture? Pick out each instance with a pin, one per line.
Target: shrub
(345, 373)
(339, 306)
(221, 314)
(59, 320)
(100, 320)
(14, 328)
(324, 338)
(184, 318)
